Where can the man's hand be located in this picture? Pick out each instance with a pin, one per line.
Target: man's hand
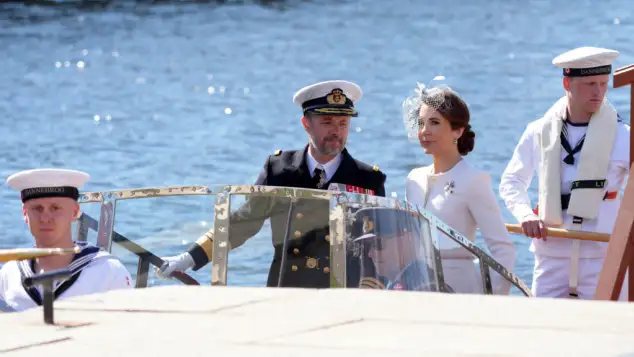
(180, 263)
(534, 227)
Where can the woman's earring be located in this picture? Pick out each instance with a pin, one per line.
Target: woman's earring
(455, 141)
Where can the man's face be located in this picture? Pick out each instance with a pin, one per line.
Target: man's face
(327, 133)
(587, 93)
(391, 254)
(50, 219)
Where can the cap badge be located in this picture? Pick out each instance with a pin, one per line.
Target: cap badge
(336, 96)
(368, 225)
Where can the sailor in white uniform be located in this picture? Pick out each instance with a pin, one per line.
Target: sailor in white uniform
(50, 206)
(580, 151)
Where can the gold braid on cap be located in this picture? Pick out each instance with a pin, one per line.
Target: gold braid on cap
(371, 283)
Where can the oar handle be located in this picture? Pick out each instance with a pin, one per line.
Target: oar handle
(7, 255)
(565, 233)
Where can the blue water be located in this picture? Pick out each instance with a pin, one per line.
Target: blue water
(200, 94)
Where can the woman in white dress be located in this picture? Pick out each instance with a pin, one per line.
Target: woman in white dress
(452, 190)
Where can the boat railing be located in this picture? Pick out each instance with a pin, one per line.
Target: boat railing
(338, 200)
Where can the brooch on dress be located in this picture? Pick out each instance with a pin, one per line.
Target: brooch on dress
(449, 187)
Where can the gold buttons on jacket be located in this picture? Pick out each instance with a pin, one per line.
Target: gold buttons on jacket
(311, 263)
(299, 215)
(296, 251)
(294, 268)
(327, 238)
(326, 270)
(298, 234)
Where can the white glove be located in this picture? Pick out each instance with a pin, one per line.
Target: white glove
(180, 263)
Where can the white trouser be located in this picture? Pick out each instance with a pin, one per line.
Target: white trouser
(551, 277)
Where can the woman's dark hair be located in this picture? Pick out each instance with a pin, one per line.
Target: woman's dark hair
(449, 104)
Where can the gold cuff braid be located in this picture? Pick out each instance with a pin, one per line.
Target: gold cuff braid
(206, 242)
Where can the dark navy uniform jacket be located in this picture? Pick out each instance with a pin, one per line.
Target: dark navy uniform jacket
(308, 246)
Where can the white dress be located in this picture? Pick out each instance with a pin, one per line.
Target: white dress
(469, 205)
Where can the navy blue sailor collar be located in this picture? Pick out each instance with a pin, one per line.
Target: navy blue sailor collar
(80, 261)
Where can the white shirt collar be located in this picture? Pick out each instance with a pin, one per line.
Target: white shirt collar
(330, 167)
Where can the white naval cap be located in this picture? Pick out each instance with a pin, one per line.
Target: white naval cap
(335, 97)
(40, 183)
(586, 61)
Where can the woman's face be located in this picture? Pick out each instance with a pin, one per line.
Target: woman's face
(435, 133)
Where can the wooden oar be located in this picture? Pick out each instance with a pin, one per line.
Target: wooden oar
(30, 253)
(565, 233)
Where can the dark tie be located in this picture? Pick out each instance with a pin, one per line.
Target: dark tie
(570, 159)
(319, 179)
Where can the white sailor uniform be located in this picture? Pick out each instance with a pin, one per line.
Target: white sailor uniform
(572, 161)
(94, 271)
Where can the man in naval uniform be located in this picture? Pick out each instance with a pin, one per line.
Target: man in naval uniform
(327, 111)
(580, 150)
(49, 206)
(392, 239)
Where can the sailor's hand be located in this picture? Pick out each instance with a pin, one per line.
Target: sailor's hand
(180, 263)
(534, 227)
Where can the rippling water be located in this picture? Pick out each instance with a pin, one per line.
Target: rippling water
(182, 94)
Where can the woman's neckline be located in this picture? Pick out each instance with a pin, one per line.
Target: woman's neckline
(431, 169)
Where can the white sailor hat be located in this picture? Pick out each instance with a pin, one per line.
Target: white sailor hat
(330, 97)
(40, 183)
(586, 61)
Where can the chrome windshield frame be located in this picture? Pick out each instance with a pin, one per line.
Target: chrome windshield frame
(338, 199)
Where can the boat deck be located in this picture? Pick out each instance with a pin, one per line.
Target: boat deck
(236, 321)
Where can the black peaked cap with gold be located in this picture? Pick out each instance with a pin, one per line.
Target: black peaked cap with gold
(335, 97)
(381, 222)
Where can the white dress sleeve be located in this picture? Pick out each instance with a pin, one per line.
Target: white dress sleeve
(407, 185)
(414, 187)
(518, 175)
(486, 212)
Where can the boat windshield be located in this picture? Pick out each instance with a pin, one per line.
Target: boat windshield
(393, 248)
(288, 237)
